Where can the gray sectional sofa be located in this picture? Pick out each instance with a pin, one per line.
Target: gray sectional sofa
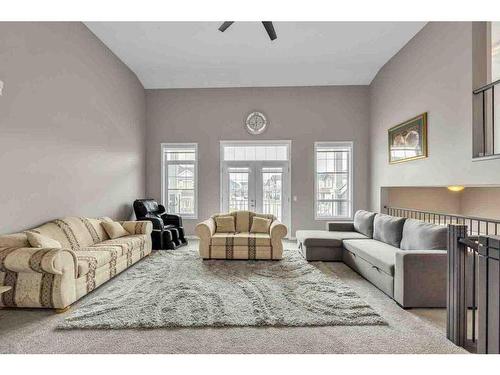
(405, 258)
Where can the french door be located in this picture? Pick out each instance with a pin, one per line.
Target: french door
(256, 185)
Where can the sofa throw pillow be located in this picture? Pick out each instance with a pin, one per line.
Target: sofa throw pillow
(260, 225)
(38, 240)
(114, 229)
(418, 235)
(224, 224)
(14, 240)
(363, 222)
(388, 229)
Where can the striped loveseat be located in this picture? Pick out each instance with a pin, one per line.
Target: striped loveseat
(241, 244)
(55, 278)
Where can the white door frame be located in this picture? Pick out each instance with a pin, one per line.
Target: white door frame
(286, 165)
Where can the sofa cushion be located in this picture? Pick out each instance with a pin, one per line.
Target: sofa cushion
(125, 244)
(379, 254)
(38, 240)
(363, 222)
(72, 232)
(388, 229)
(91, 260)
(225, 224)
(325, 238)
(241, 239)
(260, 225)
(418, 235)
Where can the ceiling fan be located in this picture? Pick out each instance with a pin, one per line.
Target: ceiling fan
(268, 25)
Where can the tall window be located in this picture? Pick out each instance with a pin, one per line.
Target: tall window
(486, 84)
(333, 180)
(180, 179)
(494, 47)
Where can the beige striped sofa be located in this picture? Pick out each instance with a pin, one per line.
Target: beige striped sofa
(55, 278)
(241, 244)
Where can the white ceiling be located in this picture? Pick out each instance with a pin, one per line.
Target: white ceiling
(196, 54)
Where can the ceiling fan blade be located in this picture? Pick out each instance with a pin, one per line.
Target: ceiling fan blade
(225, 25)
(270, 29)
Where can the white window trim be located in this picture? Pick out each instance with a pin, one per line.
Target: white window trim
(351, 186)
(163, 175)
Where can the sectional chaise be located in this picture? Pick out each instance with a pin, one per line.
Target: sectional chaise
(405, 258)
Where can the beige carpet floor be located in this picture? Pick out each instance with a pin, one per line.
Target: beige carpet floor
(409, 331)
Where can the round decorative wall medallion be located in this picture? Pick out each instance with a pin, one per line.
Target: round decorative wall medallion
(256, 123)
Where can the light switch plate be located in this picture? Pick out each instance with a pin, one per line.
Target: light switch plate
(1, 88)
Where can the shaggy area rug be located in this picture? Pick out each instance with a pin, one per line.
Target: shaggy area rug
(178, 289)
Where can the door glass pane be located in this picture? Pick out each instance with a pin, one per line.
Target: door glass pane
(272, 197)
(238, 191)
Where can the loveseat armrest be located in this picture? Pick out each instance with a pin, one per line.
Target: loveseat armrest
(205, 230)
(341, 226)
(38, 260)
(138, 227)
(420, 278)
(278, 230)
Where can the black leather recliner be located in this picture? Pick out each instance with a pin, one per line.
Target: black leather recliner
(168, 232)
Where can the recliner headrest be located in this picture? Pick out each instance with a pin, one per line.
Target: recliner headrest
(145, 206)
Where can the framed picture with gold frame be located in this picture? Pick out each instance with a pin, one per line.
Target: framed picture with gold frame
(408, 140)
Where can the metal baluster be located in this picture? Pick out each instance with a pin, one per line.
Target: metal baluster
(473, 296)
(493, 119)
(484, 124)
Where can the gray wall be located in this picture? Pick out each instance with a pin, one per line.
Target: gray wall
(434, 199)
(72, 126)
(303, 115)
(432, 73)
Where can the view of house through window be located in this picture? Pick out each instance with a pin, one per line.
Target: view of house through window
(180, 179)
(238, 189)
(333, 176)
